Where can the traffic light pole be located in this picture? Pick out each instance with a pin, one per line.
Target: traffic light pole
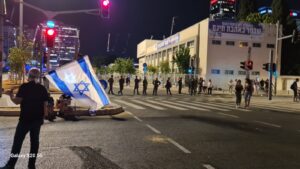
(248, 59)
(1, 42)
(271, 74)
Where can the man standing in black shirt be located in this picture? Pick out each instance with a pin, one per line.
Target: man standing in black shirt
(121, 83)
(136, 86)
(168, 86)
(111, 84)
(156, 83)
(179, 85)
(33, 98)
(145, 86)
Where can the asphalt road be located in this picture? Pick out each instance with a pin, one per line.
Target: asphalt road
(171, 132)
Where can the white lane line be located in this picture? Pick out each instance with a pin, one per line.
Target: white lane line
(200, 105)
(222, 105)
(149, 105)
(179, 146)
(129, 104)
(268, 124)
(208, 166)
(138, 119)
(229, 115)
(166, 105)
(186, 106)
(153, 129)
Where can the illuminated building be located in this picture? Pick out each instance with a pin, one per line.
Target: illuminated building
(222, 9)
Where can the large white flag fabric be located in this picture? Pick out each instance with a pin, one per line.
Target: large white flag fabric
(78, 80)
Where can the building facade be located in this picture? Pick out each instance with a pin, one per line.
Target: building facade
(218, 47)
(223, 9)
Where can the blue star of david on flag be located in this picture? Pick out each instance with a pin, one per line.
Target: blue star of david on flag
(81, 87)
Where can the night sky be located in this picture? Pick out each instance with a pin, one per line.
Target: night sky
(131, 21)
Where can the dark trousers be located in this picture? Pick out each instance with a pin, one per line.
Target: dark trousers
(155, 91)
(110, 91)
(179, 89)
(121, 90)
(144, 90)
(136, 89)
(209, 91)
(238, 98)
(169, 91)
(22, 129)
(200, 89)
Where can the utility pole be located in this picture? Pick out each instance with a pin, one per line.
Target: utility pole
(21, 22)
(3, 12)
(173, 24)
(271, 60)
(248, 59)
(108, 43)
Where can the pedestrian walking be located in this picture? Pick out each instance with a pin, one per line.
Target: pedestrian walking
(136, 86)
(121, 84)
(168, 87)
(248, 91)
(128, 81)
(294, 87)
(111, 84)
(179, 85)
(194, 87)
(209, 87)
(238, 93)
(230, 86)
(200, 83)
(156, 84)
(33, 98)
(204, 86)
(267, 86)
(145, 86)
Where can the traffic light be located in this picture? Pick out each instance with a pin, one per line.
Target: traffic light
(190, 70)
(104, 8)
(50, 35)
(243, 65)
(266, 66)
(249, 64)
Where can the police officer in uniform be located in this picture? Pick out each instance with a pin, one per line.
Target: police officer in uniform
(111, 84)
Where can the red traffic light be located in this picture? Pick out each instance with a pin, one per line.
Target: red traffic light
(50, 32)
(249, 64)
(105, 3)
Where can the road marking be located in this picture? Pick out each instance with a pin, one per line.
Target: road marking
(208, 107)
(149, 105)
(130, 104)
(229, 115)
(153, 129)
(190, 107)
(268, 124)
(138, 119)
(163, 104)
(208, 166)
(179, 146)
(223, 105)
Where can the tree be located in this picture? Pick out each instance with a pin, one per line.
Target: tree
(246, 7)
(165, 67)
(182, 59)
(123, 66)
(257, 18)
(19, 56)
(153, 69)
(280, 11)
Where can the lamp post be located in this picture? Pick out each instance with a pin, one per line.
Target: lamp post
(21, 21)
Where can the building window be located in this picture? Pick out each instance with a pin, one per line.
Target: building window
(182, 46)
(255, 73)
(242, 72)
(215, 71)
(272, 46)
(230, 43)
(243, 44)
(229, 72)
(190, 44)
(256, 45)
(216, 42)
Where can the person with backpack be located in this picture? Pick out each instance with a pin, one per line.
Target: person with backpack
(294, 87)
(248, 91)
(168, 86)
(238, 93)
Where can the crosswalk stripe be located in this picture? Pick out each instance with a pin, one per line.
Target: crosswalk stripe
(200, 105)
(129, 104)
(166, 105)
(187, 106)
(275, 107)
(149, 105)
(221, 105)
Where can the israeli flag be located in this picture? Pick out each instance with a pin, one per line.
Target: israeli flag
(78, 80)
